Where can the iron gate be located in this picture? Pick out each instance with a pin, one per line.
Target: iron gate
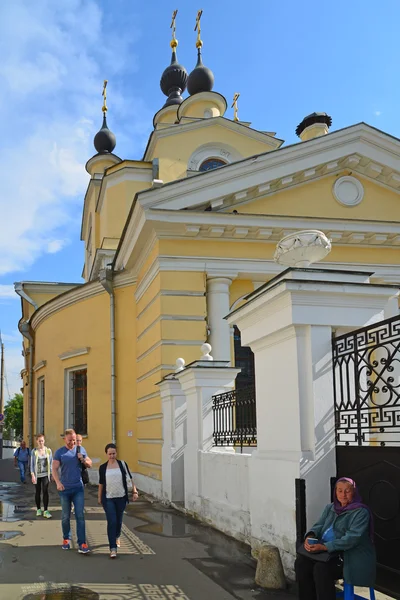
(366, 365)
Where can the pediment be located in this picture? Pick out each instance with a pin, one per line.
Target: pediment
(216, 128)
(360, 149)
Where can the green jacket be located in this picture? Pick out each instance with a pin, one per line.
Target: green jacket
(352, 537)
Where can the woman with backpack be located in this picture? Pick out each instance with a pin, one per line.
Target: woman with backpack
(115, 479)
(41, 463)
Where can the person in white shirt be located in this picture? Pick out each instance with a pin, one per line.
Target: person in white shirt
(41, 463)
(113, 494)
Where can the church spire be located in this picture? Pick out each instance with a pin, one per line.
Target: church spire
(174, 78)
(104, 140)
(201, 79)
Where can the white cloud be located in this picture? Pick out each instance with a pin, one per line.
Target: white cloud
(7, 291)
(378, 113)
(14, 363)
(51, 72)
(54, 246)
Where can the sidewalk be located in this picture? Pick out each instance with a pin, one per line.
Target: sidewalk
(164, 556)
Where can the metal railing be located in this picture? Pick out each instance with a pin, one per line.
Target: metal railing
(234, 416)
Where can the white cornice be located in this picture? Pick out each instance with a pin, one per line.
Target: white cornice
(102, 258)
(175, 130)
(124, 279)
(39, 365)
(125, 173)
(73, 353)
(180, 224)
(255, 223)
(83, 292)
(47, 287)
(93, 183)
(253, 269)
(362, 140)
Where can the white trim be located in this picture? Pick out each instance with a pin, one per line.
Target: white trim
(221, 151)
(150, 417)
(263, 168)
(83, 292)
(40, 403)
(155, 370)
(124, 173)
(257, 269)
(342, 196)
(149, 441)
(39, 365)
(150, 465)
(175, 130)
(192, 318)
(147, 397)
(161, 343)
(67, 395)
(123, 279)
(73, 353)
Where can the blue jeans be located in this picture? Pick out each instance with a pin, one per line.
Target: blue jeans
(114, 509)
(77, 497)
(23, 467)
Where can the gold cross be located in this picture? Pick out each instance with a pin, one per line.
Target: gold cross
(104, 94)
(235, 106)
(174, 41)
(197, 28)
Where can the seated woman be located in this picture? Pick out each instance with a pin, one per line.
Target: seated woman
(345, 531)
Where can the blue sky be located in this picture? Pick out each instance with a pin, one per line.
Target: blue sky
(286, 59)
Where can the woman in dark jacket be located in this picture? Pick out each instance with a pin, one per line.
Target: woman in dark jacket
(345, 531)
(113, 494)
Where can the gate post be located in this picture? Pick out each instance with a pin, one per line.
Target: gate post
(288, 324)
(173, 408)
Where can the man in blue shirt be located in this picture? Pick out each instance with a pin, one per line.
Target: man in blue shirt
(70, 487)
(22, 457)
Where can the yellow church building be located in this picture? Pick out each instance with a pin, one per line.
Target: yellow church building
(174, 241)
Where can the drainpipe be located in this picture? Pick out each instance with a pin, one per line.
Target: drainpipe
(19, 288)
(25, 329)
(106, 280)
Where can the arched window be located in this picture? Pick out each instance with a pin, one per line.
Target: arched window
(211, 163)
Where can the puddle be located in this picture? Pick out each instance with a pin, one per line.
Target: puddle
(65, 593)
(161, 523)
(10, 512)
(8, 535)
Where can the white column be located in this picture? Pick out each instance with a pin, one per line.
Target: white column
(217, 310)
(174, 438)
(288, 326)
(200, 382)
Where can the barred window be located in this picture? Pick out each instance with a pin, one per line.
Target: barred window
(76, 400)
(40, 405)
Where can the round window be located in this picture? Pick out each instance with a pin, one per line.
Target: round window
(211, 163)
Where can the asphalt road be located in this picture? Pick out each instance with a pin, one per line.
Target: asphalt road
(164, 555)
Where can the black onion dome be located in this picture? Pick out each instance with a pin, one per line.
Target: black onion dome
(311, 120)
(201, 79)
(104, 140)
(173, 81)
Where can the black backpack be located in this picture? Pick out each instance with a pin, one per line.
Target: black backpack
(84, 472)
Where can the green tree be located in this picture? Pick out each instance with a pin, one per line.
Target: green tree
(13, 415)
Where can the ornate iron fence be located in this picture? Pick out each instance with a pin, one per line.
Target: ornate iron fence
(234, 415)
(367, 385)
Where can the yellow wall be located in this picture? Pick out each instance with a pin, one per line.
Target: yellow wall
(84, 324)
(174, 157)
(316, 199)
(116, 206)
(170, 324)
